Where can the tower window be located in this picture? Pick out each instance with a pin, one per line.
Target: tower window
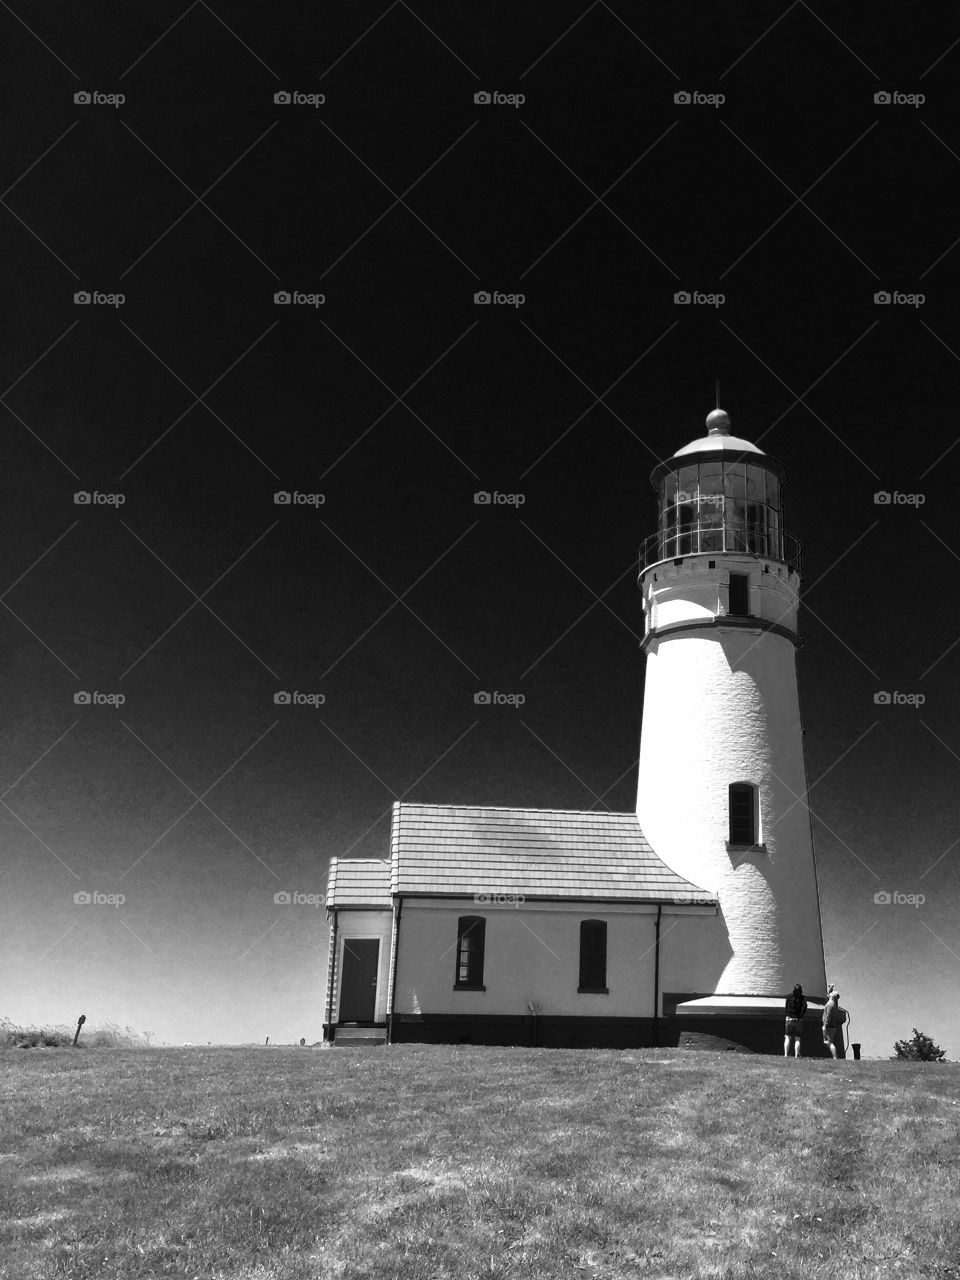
(471, 931)
(743, 813)
(739, 602)
(593, 956)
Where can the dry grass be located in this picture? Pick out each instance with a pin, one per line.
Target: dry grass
(106, 1036)
(467, 1162)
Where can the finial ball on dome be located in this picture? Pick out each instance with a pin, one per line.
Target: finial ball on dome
(718, 423)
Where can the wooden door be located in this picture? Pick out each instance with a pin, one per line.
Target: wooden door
(358, 981)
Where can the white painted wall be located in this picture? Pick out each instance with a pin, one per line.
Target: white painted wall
(532, 953)
(721, 706)
(364, 924)
(693, 592)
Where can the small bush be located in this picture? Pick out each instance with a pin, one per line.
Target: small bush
(919, 1048)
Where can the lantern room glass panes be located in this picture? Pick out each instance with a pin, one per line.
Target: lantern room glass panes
(716, 506)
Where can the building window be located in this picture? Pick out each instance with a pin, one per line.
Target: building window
(739, 602)
(593, 956)
(470, 938)
(743, 813)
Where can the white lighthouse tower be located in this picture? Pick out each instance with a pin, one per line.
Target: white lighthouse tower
(722, 784)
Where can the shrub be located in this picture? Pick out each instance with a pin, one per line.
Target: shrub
(919, 1049)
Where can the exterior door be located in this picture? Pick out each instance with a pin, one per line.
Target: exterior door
(358, 981)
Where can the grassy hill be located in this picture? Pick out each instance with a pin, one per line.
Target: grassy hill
(436, 1162)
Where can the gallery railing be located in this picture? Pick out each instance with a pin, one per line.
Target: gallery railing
(706, 539)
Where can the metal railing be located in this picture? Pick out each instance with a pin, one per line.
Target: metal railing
(710, 539)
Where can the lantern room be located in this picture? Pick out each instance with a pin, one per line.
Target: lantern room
(720, 494)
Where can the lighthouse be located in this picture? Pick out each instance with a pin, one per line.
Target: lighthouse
(722, 784)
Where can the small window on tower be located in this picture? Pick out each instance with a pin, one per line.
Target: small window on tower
(743, 813)
(739, 603)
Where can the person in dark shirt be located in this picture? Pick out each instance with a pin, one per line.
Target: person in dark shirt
(796, 1007)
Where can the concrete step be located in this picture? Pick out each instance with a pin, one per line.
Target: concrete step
(352, 1037)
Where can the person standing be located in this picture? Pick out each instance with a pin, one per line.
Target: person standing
(832, 1021)
(796, 1007)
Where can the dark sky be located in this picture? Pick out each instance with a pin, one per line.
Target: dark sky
(797, 199)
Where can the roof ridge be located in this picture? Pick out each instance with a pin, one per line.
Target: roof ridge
(520, 808)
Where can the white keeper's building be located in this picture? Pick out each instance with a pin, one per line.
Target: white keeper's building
(686, 922)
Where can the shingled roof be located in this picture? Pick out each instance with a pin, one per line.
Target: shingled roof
(463, 850)
(359, 882)
(539, 853)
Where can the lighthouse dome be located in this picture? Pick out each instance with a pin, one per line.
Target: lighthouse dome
(718, 439)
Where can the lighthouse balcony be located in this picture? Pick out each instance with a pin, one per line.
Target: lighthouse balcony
(705, 539)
